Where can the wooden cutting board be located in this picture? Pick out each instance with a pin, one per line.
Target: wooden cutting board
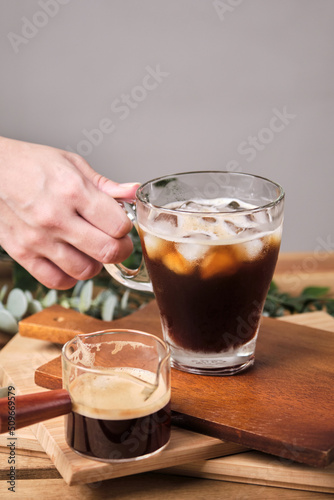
(283, 406)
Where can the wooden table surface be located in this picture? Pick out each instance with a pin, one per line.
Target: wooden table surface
(37, 478)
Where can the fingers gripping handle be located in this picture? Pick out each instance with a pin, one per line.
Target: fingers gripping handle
(137, 279)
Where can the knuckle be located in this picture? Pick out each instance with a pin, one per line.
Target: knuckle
(89, 271)
(73, 157)
(72, 188)
(49, 274)
(47, 217)
(31, 240)
(108, 254)
(58, 281)
(116, 251)
(21, 253)
(122, 227)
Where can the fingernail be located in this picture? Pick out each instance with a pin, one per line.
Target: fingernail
(128, 185)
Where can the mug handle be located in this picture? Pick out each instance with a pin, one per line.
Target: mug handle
(137, 279)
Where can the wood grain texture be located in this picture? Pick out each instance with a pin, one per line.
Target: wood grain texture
(28, 468)
(294, 271)
(149, 486)
(32, 408)
(57, 324)
(26, 443)
(153, 486)
(184, 446)
(260, 468)
(282, 406)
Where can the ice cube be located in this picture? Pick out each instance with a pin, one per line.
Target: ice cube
(276, 236)
(154, 246)
(226, 205)
(198, 236)
(228, 228)
(218, 262)
(192, 251)
(233, 228)
(258, 218)
(169, 218)
(238, 224)
(210, 220)
(165, 224)
(177, 263)
(195, 206)
(252, 248)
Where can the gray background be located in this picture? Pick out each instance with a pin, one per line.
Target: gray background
(228, 67)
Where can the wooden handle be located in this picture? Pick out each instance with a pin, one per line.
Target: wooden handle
(32, 408)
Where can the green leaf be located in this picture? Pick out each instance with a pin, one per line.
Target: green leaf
(77, 288)
(65, 302)
(50, 298)
(29, 295)
(315, 291)
(86, 295)
(273, 287)
(330, 307)
(8, 323)
(108, 308)
(73, 303)
(100, 298)
(17, 303)
(125, 299)
(3, 292)
(34, 306)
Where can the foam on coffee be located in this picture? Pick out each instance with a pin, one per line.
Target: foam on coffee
(224, 222)
(117, 394)
(213, 244)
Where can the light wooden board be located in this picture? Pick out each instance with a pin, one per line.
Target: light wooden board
(19, 359)
(28, 468)
(259, 468)
(26, 444)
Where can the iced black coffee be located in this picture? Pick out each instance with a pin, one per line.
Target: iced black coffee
(210, 243)
(210, 278)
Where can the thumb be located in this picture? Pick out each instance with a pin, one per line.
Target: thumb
(126, 190)
(114, 189)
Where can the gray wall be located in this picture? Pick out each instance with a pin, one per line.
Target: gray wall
(181, 85)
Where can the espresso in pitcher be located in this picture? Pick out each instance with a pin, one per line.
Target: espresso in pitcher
(210, 276)
(113, 419)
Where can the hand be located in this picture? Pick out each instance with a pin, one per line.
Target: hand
(59, 218)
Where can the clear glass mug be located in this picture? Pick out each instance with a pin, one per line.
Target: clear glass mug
(119, 385)
(210, 244)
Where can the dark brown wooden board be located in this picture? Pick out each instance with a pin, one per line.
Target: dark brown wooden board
(284, 405)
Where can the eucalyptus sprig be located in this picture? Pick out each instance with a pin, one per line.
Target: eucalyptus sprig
(312, 298)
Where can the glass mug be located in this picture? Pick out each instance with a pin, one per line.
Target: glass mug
(210, 243)
(119, 384)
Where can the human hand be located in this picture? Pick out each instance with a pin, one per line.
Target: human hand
(59, 218)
